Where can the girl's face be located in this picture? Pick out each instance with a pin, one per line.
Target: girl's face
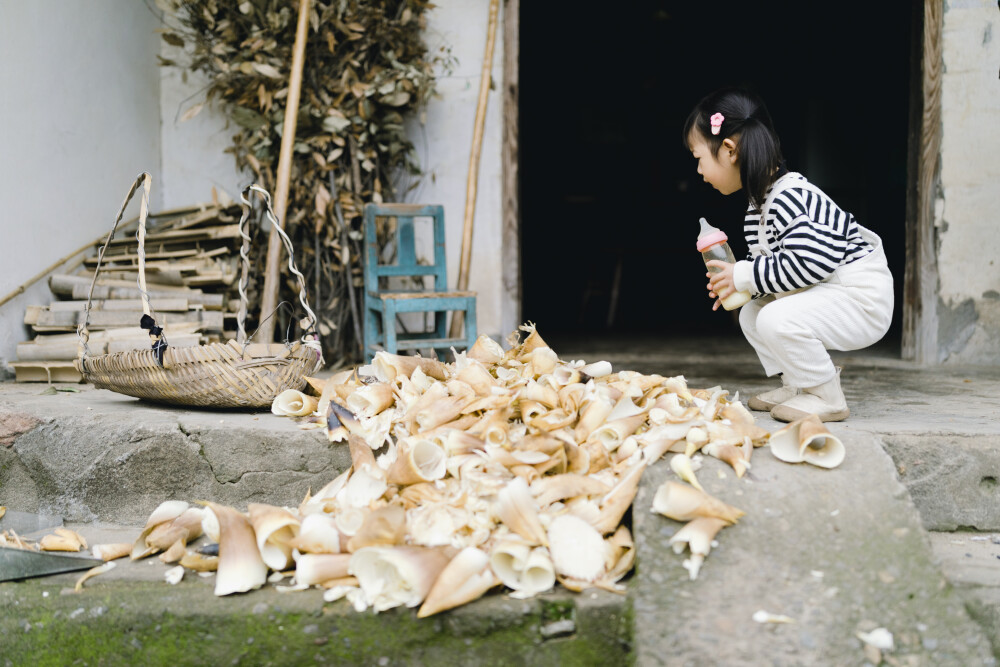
(721, 170)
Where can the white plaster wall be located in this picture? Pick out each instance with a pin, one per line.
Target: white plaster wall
(194, 161)
(79, 119)
(194, 157)
(445, 141)
(969, 217)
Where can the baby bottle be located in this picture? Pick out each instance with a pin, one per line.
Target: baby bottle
(712, 244)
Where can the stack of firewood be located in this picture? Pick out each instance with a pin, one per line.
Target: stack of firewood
(192, 274)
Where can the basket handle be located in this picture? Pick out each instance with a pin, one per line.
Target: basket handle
(144, 180)
(244, 250)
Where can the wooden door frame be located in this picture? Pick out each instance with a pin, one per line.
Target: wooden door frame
(511, 288)
(920, 280)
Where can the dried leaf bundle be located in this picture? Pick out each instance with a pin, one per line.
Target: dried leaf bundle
(366, 71)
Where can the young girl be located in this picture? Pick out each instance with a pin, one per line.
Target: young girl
(820, 280)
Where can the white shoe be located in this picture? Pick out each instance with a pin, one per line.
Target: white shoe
(769, 399)
(826, 401)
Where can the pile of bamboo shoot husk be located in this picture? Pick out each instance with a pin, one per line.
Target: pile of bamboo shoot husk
(504, 467)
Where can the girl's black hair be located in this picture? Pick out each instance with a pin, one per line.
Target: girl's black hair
(757, 145)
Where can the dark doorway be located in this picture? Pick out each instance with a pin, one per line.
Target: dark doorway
(607, 186)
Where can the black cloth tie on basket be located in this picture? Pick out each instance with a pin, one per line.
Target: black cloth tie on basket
(160, 344)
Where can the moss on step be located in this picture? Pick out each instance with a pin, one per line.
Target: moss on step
(151, 623)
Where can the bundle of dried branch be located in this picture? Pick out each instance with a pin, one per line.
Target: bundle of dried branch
(366, 70)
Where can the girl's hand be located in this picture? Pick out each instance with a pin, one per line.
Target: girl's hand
(720, 284)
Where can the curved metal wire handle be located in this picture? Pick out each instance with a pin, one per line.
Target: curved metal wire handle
(244, 277)
(144, 180)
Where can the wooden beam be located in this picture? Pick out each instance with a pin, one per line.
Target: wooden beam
(910, 306)
(921, 276)
(510, 243)
(272, 269)
(472, 182)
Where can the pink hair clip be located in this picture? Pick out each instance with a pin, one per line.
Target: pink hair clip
(716, 121)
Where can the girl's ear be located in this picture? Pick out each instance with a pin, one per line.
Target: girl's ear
(728, 150)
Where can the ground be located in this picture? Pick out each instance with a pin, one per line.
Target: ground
(901, 536)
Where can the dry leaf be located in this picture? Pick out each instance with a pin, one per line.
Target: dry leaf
(192, 112)
(267, 70)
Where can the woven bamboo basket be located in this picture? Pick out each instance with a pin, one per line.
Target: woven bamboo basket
(220, 375)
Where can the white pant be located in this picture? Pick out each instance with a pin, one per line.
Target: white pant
(851, 309)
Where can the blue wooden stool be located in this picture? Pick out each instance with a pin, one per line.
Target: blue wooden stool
(382, 305)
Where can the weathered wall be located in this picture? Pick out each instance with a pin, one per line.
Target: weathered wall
(968, 213)
(193, 158)
(80, 118)
(445, 140)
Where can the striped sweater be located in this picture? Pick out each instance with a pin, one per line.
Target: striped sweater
(809, 237)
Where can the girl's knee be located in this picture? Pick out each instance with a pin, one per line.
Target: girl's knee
(773, 321)
(750, 314)
(748, 317)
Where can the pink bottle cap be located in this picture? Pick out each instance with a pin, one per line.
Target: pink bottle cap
(709, 235)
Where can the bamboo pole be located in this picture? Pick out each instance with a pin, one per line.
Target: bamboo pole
(269, 297)
(473, 177)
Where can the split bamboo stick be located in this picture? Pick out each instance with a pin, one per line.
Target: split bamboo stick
(269, 297)
(473, 177)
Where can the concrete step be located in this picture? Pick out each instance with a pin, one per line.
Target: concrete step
(839, 551)
(971, 563)
(130, 616)
(100, 456)
(939, 426)
(105, 461)
(954, 478)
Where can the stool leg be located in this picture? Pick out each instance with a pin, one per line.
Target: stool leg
(370, 333)
(389, 326)
(470, 324)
